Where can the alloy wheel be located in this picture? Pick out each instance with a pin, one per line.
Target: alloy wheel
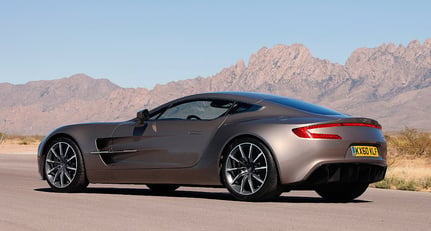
(246, 168)
(61, 164)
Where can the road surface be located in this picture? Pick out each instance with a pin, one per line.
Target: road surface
(26, 203)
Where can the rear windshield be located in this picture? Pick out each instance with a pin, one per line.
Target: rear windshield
(303, 106)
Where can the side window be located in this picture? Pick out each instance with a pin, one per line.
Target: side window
(244, 107)
(155, 116)
(197, 110)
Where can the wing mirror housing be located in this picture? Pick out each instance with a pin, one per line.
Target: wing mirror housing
(143, 116)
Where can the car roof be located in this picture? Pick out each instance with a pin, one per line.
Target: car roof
(273, 100)
(237, 95)
(254, 95)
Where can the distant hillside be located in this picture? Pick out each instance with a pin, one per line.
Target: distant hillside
(389, 83)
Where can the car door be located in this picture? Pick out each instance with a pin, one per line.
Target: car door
(175, 138)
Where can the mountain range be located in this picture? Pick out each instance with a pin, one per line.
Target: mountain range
(390, 83)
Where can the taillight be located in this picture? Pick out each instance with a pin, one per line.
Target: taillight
(304, 132)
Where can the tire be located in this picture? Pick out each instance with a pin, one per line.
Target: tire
(64, 167)
(162, 188)
(249, 171)
(341, 192)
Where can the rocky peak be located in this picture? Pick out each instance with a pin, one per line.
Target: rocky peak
(427, 44)
(415, 44)
(391, 69)
(51, 93)
(280, 55)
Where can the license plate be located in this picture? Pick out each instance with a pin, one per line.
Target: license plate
(365, 151)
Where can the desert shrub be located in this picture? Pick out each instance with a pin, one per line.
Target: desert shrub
(384, 184)
(397, 183)
(392, 153)
(2, 137)
(425, 183)
(409, 185)
(27, 140)
(410, 142)
(24, 142)
(394, 182)
(21, 140)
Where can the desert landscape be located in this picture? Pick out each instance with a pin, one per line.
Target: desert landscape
(390, 83)
(74, 62)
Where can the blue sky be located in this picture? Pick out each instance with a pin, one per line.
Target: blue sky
(142, 43)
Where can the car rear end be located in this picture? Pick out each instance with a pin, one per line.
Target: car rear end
(345, 150)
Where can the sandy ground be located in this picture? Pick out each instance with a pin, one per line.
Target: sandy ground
(10, 148)
(19, 145)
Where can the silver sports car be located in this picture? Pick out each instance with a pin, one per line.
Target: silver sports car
(255, 145)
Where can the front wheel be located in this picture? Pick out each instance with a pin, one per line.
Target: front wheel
(64, 167)
(341, 192)
(249, 171)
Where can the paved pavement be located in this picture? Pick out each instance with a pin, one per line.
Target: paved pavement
(26, 203)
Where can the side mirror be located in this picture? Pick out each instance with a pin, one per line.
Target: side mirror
(143, 116)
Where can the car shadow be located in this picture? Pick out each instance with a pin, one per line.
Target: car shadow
(225, 196)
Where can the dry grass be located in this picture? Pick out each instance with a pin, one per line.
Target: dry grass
(12, 144)
(410, 142)
(2, 137)
(22, 140)
(409, 161)
(408, 174)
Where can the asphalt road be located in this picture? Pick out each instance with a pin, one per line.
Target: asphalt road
(26, 203)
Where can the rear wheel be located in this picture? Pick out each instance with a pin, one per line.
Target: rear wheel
(162, 188)
(249, 171)
(64, 166)
(341, 192)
